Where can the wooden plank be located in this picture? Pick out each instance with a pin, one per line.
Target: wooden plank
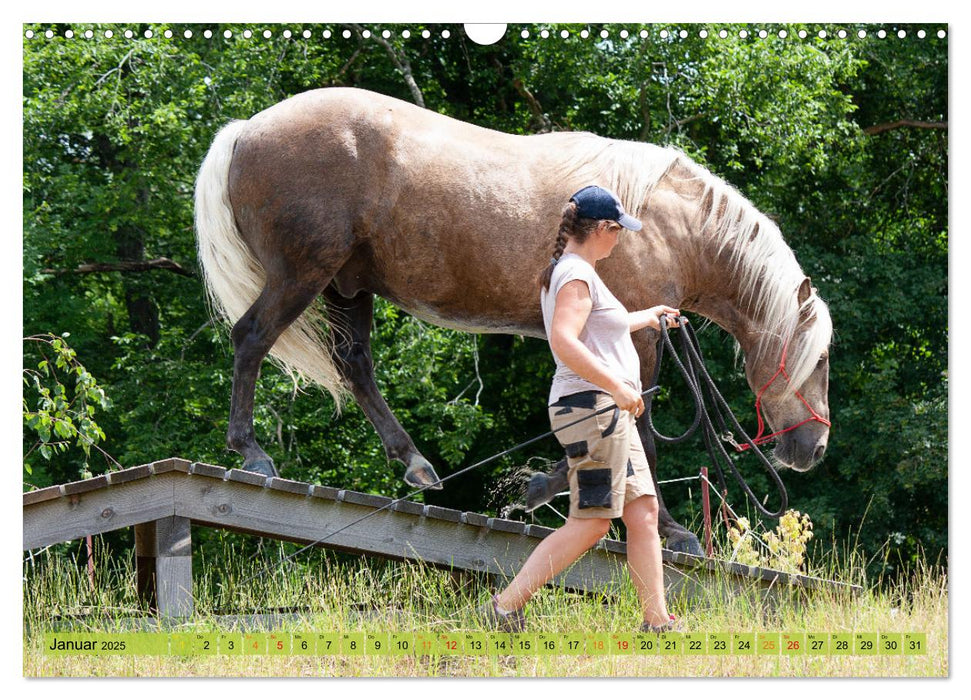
(539, 531)
(475, 519)
(516, 527)
(452, 516)
(95, 512)
(125, 475)
(146, 544)
(300, 488)
(371, 500)
(246, 477)
(721, 569)
(203, 469)
(814, 582)
(290, 517)
(326, 492)
(40, 495)
(172, 464)
(173, 537)
(84, 486)
(409, 507)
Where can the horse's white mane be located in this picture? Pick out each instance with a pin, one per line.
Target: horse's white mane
(630, 169)
(763, 265)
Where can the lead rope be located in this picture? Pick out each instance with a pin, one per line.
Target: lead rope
(699, 381)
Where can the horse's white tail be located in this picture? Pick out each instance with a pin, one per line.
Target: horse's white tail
(234, 278)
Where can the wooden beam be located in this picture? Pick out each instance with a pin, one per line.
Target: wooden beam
(441, 541)
(78, 514)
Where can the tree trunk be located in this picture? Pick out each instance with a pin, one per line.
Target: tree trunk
(142, 310)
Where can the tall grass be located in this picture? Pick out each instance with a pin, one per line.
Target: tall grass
(327, 592)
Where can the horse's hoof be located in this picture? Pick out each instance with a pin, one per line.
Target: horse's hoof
(686, 543)
(421, 475)
(261, 466)
(543, 487)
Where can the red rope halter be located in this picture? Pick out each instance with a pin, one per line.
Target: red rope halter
(760, 438)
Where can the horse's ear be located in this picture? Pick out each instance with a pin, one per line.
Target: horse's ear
(805, 291)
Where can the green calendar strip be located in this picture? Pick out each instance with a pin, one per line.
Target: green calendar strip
(788, 644)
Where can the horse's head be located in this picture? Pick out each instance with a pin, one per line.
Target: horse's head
(789, 372)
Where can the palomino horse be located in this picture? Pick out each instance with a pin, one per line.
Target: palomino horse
(339, 194)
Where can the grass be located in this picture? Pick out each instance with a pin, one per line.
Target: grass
(335, 593)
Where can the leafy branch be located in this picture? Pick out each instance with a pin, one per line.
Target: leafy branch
(61, 417)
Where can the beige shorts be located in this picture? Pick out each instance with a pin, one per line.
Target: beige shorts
(608, 467)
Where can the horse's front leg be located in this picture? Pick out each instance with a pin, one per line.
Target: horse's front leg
(352, 355)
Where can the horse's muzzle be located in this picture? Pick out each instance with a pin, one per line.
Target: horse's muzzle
(800, 452)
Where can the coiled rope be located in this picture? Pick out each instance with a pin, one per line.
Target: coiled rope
(691, 364)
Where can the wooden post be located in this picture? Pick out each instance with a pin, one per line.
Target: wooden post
(163, 560)
(90, 547)
(146, 552)
(706, 509)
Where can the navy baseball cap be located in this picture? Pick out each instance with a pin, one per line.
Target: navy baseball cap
(595, 202)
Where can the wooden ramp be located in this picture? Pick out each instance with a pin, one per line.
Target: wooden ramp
(162, 500)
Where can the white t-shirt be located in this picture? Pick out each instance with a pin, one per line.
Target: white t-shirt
(606, 333)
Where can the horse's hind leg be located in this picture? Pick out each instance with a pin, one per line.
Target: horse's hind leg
(352, 355)
(254, 334)
(677, 538)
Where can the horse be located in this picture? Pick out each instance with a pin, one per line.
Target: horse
(311, 207)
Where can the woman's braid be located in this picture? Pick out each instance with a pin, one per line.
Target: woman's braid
(571, 226)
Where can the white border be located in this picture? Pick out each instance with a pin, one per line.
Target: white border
(510, 12)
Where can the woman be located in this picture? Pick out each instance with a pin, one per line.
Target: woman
(596, 366)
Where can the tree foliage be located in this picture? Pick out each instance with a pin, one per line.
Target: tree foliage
(842, 141)
(58, 415)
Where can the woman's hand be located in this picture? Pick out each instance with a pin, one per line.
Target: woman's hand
(628, 400)
(662, 310)
(651, 318)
